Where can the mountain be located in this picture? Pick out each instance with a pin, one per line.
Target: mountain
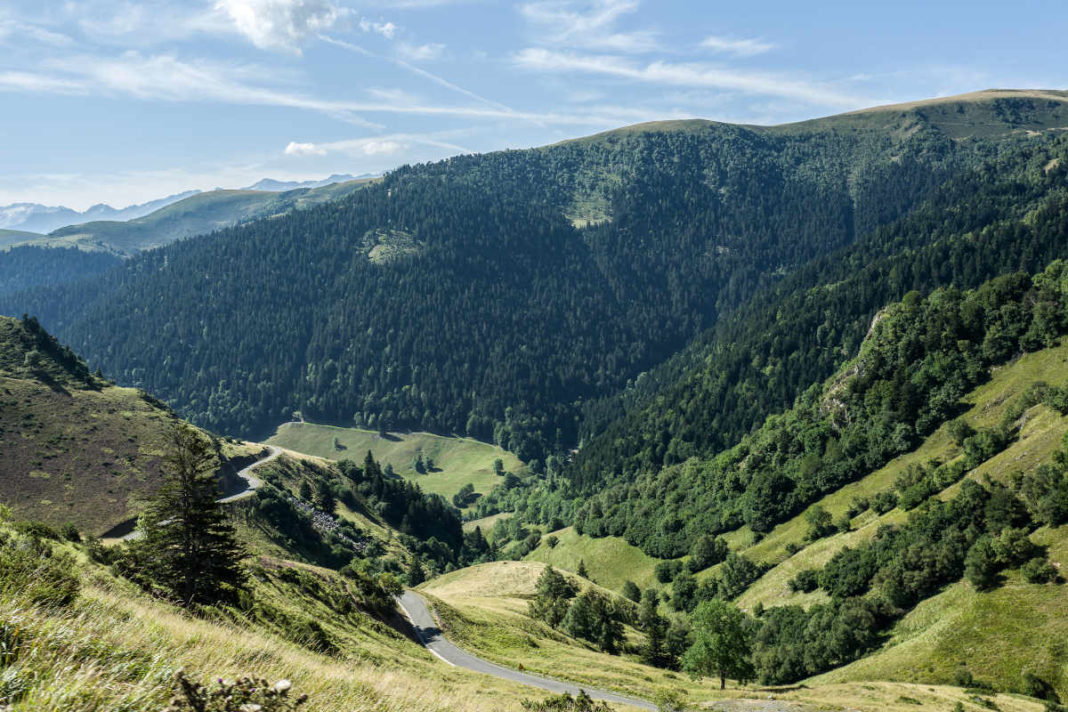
(36, 218)
(502, 296)
(197, 214)
(278, 185)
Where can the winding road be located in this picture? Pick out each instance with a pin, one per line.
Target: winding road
(252, 483)
(426, 628)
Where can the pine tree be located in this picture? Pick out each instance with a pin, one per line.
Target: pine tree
(553, 594)
(582, 569)
(188, 546)
(416, 574)
(654, 650)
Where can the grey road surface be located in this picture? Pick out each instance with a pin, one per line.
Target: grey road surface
(252, 483)
(426, 628)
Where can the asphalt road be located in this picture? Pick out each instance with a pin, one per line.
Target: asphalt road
(252, 483)
(426, 628)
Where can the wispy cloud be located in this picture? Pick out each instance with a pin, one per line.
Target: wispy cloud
(737, 47)
(167, 78)
(21, 32)
(685, 74)
(587, 25)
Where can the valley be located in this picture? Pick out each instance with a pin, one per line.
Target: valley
(687, 415)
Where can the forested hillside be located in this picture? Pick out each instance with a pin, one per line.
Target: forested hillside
(495, 295)
(1008, 213)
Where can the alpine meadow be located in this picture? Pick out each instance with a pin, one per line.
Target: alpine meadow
(556, 396)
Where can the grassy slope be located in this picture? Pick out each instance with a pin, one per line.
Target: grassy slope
(482, 608)
(117, 649)
(457, 461)
(610, 561)
(76, 452)
(999, 635)
(14, 237)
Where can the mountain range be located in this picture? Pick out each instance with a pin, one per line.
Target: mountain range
(43, 219)
(801, 383)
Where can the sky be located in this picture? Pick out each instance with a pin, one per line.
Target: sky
(124, 101)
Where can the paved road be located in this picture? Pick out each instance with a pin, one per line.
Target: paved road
(414, 606)
(252, 483)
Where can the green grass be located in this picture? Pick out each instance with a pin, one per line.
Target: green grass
(998, 635)
(457, 461)
(610, 561)
(483, 609)
(115, 648)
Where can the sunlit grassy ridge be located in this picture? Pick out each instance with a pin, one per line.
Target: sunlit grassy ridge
(457, 461)
(610, 560)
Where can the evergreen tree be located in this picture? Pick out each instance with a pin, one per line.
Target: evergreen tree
(654, 650)
(416, 574)
(981, 564)
(324, 497)
(187, 544)
(553, 594)
(582, 569)
(631, 591)
(721, 644)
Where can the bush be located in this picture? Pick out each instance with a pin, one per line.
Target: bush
(28, 567)
(224, 696)
(566, 703)
(884, 502)
(1034, 686)
(666, 571)
(806, 581)
(1039, 570)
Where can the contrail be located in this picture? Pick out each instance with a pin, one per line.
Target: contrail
(417, 70)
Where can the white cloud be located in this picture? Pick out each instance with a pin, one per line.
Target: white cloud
(589, 24)
(687, 75)
(385, 148)
(386, 29)
(738, 48)
(281, 24)
(421, 53)
(376, 145)
(304, 149)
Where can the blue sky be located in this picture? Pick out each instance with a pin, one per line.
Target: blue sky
(120, 101)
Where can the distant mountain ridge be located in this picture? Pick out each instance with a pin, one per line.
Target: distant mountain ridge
(279, 186)
(34, 217)
(43, 219)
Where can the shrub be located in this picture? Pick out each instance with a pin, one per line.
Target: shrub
(1034, 686)
(552, 540)
(28, 567)
(224, 696)
(566, 703)
(1039, 570)
(806, 581)
(884, 502)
